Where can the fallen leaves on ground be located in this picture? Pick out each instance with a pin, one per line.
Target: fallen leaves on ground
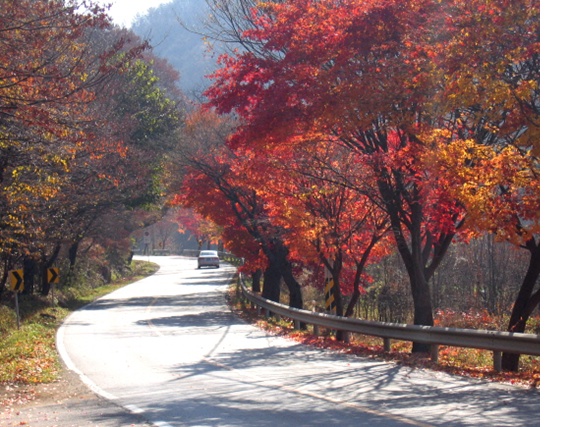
(400, 352)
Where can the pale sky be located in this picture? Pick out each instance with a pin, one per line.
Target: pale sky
(123, 12)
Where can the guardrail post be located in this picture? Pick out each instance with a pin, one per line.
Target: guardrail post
(497, 357)
(495, 341)
(297, 324)
(434, 352)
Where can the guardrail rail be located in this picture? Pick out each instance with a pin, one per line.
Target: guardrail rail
(495, 341)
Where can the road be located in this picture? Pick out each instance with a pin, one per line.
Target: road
(167, 348)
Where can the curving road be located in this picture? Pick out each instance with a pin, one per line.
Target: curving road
(168, 348)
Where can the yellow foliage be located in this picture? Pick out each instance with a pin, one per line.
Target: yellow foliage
(499, 188)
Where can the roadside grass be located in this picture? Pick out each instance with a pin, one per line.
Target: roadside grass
(468, 362)
(28, 355)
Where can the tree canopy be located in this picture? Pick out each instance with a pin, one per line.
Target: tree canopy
(438, 100)
(84, 128)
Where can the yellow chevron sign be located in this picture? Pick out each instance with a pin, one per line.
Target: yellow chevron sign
(329, 297)
(16, 278)
(53, 275)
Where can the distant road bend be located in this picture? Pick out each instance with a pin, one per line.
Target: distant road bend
(168, 348)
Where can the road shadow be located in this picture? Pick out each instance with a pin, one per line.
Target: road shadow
(208, 298)
(204, 319)
(383, 387)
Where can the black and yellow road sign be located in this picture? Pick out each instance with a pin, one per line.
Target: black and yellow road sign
(53, 275)
(16, 278)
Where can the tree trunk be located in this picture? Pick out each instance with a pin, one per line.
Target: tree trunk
(271, 282)
(525, 303)
(352, 302)
(295, 296)
(256, 281)
(5, 272)
(415, 255)
(341, 336)
(46, 286)
(30, 268)
(72, 254)
(280, 267)
(336, 292)
(423, 311)
(46, 264)
(359, 270)
(403, 202)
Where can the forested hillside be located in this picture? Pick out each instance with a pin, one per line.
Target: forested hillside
(175, 30)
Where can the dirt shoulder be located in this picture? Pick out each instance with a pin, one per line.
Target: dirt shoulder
(67, 402)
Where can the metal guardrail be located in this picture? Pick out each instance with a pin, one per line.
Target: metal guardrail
(495, 341)
(232, 259)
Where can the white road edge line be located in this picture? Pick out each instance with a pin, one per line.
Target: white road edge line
(67, 360)
(60, 346)
(94, 387)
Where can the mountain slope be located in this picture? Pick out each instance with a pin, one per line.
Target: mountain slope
(175, 30)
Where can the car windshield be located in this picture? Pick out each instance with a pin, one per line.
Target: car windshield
(208, 253)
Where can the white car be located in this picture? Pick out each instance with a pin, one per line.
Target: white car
(208, 259)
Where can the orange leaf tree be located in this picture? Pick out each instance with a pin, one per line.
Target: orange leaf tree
(358, 71)
(216, 187)
(383, 78)
(490, 63)
(328, 222)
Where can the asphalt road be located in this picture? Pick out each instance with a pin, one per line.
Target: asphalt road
(168, 350)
